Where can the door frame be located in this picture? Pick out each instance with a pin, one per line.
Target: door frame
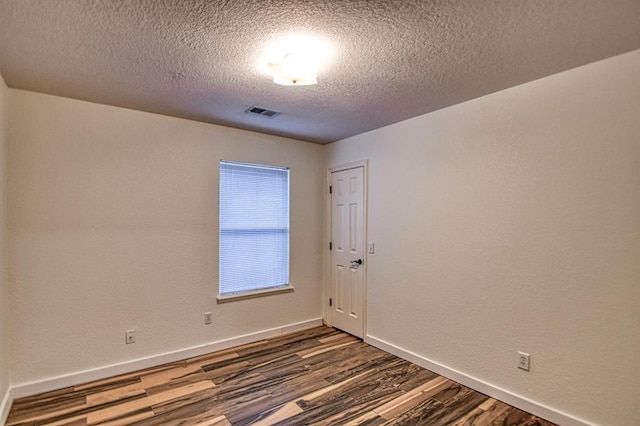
(326, 288)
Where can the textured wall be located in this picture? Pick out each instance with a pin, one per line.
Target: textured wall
(113, 224)
(4, 291)
(512, 222)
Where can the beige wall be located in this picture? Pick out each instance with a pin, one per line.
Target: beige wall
(512, 223)
(113, 225)
(4, 291)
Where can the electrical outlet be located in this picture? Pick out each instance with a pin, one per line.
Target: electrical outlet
(130, 336)
(208, 317)
(523, 361)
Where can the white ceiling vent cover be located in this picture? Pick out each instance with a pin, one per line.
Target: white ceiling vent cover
(263, 112)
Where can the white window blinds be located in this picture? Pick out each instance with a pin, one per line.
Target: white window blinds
(254, 227)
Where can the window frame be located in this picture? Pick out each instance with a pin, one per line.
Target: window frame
(259, 292)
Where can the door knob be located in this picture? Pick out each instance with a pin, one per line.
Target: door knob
(357, 262)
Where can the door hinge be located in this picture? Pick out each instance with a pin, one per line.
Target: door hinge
(330, 302)
(330, 189)
(330, 246)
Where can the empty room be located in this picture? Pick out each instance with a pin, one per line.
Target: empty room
(319, 213)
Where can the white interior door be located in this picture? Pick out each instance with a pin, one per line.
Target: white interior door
(347, 301)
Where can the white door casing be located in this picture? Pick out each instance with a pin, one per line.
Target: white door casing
(347, 292)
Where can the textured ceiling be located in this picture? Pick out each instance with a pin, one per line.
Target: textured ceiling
(391, 60)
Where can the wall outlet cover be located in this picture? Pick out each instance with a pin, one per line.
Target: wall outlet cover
(524, 361)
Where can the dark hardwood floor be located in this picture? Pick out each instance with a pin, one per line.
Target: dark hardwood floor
(319, 376)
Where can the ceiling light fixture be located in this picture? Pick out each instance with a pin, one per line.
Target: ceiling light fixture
(294, 69)
(294, 59)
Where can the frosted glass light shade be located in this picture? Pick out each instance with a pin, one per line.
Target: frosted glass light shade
(294, 70)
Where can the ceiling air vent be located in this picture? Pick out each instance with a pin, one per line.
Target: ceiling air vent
(263, 112)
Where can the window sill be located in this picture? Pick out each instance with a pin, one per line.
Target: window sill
(251, 295)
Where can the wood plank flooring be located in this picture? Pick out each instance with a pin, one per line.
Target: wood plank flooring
(319, 376)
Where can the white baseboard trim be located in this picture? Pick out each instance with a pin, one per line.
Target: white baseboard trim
(5, 406)
(496, 392)
(73, 379)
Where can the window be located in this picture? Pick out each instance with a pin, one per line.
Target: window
(254, 228)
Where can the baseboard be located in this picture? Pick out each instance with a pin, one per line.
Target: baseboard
(5, 406)
(53, 383)
(496, 392)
